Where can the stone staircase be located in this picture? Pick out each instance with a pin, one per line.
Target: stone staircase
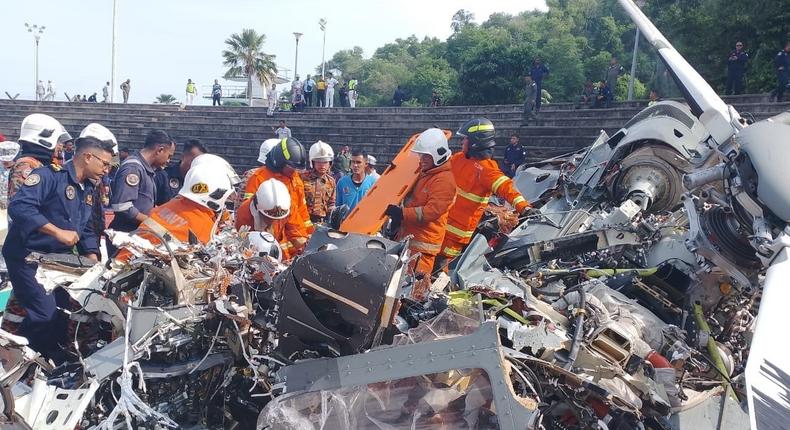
(236, 133)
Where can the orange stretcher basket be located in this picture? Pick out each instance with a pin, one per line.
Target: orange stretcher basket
(391, 188)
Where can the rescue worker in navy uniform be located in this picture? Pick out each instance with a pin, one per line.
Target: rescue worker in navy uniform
(782, 66)
(52, 214)
(169, 180)
(736, 69)
(133, 189)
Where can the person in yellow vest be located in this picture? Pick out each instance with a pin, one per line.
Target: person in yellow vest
(191, 92)
(352, 92)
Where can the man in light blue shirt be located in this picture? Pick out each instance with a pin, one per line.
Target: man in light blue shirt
(354, 186)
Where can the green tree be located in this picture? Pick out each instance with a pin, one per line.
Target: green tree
(245, 58)
(166, 99)
(462, 18)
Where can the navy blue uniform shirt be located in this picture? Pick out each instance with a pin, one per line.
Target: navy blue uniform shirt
(168, 183)
(51, 195)
(133, 192)
(736, 63)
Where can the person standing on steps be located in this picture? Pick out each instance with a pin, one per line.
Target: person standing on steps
(530, 96)
(612, 73)
(105, 92)
(330, 91)
(272, 99)
(125, 88)
(216, 94)
(309, 88)
(320, 89)
(782, 65)
(736, 69)
(352, 92)
(538, 72)
(191, 92)
(40, 91)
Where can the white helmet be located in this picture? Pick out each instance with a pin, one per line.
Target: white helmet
(100, 132)
(321, 151)
(8, 150)
(433, 142)
(273, 199)
(266, 146)
(372, 160)
(41, 130)
(217, 162)
(263, 243)
(208, 184)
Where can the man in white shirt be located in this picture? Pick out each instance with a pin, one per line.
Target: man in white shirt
(282, 132)
(50, 91)
(272, 97)
(371, 168)
(330, 91)
(105, 92)
(40, 90)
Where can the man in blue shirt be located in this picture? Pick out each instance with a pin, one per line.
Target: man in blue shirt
(782, 66)
(604, 97)
(170, 179)
(538, 72)
(52, 213)
(309, 86)
(736, 68)
(353, 187)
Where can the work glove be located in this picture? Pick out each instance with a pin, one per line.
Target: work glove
(395, 213)
(529, 212)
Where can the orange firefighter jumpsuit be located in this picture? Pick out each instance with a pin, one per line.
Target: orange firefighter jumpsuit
(425, 211)
(477, 180)
(180, 217)
(289, 233)
(295, 188)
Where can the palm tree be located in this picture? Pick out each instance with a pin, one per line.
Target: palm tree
(245, 57)
(166, 99)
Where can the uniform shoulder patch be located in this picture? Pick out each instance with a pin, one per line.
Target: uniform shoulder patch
(71, 192)
(133, 179)
(32, 179)
(175, 183)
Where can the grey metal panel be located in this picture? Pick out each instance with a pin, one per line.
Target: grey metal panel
(479, 350)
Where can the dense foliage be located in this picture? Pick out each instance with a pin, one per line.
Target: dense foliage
(485, 63)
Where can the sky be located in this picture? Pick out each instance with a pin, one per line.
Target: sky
(162, 43)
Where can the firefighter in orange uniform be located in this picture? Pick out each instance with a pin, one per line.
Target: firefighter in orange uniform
(269, 211)
(193, 215)
(477, 176)
(424, 211)
(283, 163)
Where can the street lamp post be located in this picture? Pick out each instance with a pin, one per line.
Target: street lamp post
(112, 67)
(640, 4)
(36, 31)
(296, 56)
(322, 24)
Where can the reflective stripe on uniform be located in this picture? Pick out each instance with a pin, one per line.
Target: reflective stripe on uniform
(308, 223)
(418, 213)
(481, 127)
(498, 183)
(120, 207)
(458, 232)
(472, 197)
(424, 247)
(518, 200)
(284, 146)
(248, 195)
(286, 245)
(451, 252)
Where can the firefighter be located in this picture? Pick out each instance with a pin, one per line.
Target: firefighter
(193, 215)
(319, 185)
(283, 163)
(269, 211)
(52, 213)
(266, 146)
(423, 214)
(38, 138)
(478, 177)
